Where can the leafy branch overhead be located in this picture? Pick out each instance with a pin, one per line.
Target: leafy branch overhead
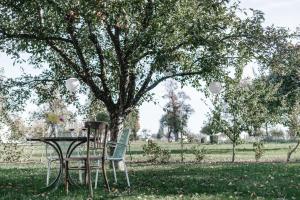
(121, 50)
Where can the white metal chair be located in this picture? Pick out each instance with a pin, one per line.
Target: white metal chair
(119, 153)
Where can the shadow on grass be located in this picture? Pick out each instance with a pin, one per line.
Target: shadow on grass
(241, 181)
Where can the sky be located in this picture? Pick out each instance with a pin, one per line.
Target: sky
(284, 13)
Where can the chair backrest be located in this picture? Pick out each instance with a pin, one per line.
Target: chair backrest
(97, 130)
(120, 149)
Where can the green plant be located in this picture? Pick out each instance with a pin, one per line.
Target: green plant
(156, 153)
(164, 156)
(152, 150)
(258, 149)
(199, 153)
(11, 152)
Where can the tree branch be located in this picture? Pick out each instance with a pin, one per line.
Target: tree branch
(66, 58)
(99, 52)
(140, 93)
(153, 85)
(28, 36)
(123, 74)
(71, 31)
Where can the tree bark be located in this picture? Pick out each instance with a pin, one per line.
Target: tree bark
(116, 124)
(292, 151)
(233, 152)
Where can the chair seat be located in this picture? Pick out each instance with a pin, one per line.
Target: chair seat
(114, 159)
(78, 158)
(83, 167)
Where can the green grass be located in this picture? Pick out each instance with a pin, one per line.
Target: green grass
(172, 181)
(216, 180)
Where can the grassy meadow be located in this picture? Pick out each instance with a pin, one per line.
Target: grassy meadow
(213, 178)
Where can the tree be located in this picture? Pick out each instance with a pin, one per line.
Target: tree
(121, 50)
(241, 107)
(177, 111)
(262, 105)
(284, 68)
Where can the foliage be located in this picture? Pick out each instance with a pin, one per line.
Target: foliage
(261, 105)
(258, 149)
(155, 152)
(277, 133)
(102, 116)
(239, 108)
(207, 129)
(121, 50)
(284, 68)
(199, 153)
(165, 156)
(152, 150)
(11, 152)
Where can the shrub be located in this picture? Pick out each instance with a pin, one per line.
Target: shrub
(11, 152)
(152, 150)
(199, 153)
(156, 153)
(165, 156)
(258, 149)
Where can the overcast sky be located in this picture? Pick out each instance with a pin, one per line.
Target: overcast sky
(279, 12)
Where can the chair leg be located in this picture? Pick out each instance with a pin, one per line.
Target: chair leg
(97, 172)
(66, 177)
(85, 173)
(115, 174)
(126, 173)
(80, 173)
(48, 172)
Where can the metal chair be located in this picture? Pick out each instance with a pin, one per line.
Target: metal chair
(96, 139)
(119, 153)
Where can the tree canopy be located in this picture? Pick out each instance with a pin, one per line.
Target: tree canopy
(121, 50)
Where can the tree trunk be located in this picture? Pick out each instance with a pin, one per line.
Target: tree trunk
(116, 124)
(176, 136)
(292, 151)
(267, 132)
(169, 135)
(233, 152)
(181, 145)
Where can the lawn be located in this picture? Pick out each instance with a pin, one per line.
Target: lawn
(189, 180)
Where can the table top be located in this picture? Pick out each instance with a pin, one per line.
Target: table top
(68, 138)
